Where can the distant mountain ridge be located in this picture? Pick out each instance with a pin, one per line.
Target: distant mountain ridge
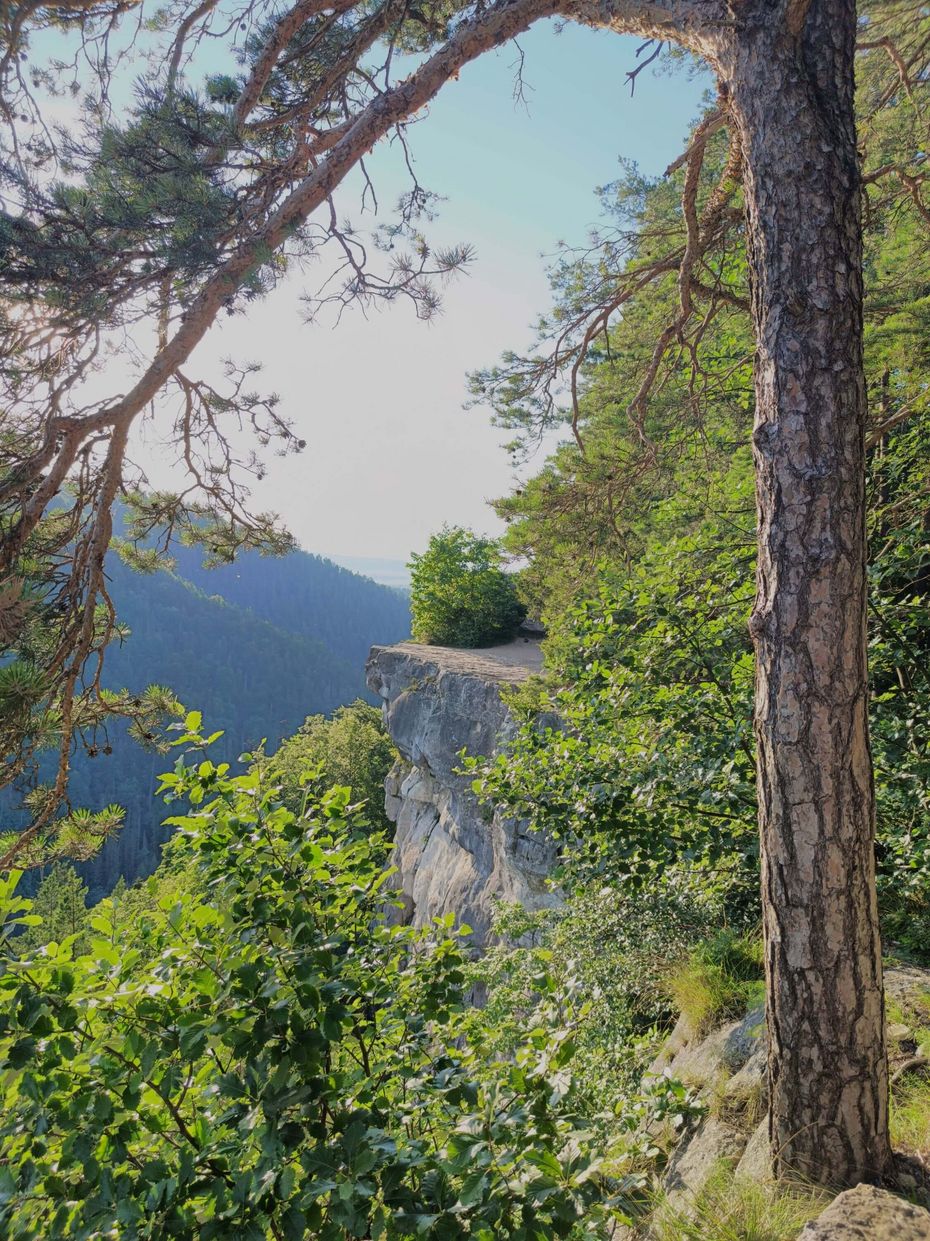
(382, 569)
(256, 646)
(296, 592)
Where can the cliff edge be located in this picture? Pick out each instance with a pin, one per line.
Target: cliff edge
(452, 853)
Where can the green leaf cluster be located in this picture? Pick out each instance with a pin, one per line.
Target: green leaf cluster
(459, 593)
(351, 749)
(270, 1055)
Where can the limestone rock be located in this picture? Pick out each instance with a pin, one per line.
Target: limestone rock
(756, 1161)
(453, 855)
(697, 1157)
(680, 1037)
(869, 1214)
(751, 1077)
(744, 1097)
(710, 1061)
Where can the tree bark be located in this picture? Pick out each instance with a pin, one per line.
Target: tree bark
(789, 74)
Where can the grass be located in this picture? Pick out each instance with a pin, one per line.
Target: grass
(910, 1094)
(722, 978)
(731, 1208)
(743, 1110)
(917, 1012)
(910, 1119)
(894, 1012)
(910, 1113)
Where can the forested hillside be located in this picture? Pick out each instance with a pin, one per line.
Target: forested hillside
(257, 646)
(307, 595)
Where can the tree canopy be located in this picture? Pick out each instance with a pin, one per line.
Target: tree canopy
(460, 594)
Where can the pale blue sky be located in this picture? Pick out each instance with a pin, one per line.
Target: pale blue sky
(391, 454)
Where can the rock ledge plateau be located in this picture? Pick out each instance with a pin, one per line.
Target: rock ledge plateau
(452, 853)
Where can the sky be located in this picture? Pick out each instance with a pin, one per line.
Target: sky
(391, 453)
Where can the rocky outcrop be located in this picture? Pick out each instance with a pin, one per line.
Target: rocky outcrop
(869, 1214)
(727, 1067)
(452, 853)
(694, 1162)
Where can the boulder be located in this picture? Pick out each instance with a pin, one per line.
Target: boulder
(744, 1098)
(869, 1214)
(756, 1161)
(695, 1159)
(705, 1063)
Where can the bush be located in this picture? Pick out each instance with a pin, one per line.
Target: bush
(352, 749)
(273, 1058)
(616, 947)
(460, 595)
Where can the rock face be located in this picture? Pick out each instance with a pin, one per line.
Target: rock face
(693, 1162)
(453, 854)
(728, 1068)
(869, 1214)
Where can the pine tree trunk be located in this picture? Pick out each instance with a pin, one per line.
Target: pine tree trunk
(792, 97)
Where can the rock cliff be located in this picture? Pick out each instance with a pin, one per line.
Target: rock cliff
(727, 1068)
(453, 854)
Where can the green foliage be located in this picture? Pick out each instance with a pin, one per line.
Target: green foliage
(460, 595)
(722, 978)
(270, 1058)
(22, 685)
(650, 762)
(351, 749)
(61, 904)
(647, 1124)
(730, 1208)
(618, 947)
(651, 678)
(139, 184)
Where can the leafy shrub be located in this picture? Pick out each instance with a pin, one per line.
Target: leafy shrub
(648, 1126)
(274, 1060)
(351, 749)
(612, 945)
(653, 762)
(460, 595)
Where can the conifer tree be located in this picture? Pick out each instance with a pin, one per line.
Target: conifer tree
(61, 904)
